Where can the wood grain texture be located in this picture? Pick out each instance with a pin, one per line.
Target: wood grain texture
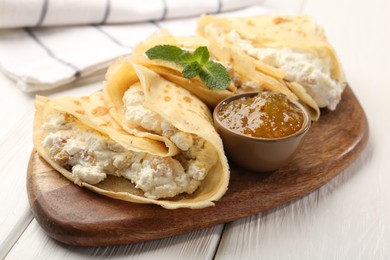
(77, 216)
(200, 244)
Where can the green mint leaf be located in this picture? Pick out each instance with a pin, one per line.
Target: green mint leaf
(215, 75)
(195, 63)
(201, 54)
(186, 58)
(165, 52)
(191, 70)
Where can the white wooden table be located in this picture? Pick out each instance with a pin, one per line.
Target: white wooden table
(348, 218)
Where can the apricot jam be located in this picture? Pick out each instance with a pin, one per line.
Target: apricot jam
(266, 115)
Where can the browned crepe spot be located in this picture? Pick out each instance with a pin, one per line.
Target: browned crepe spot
(187, 99)
(100, 111)
(279, 20)
(80, 112)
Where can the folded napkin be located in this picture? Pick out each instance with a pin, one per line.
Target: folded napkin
(46, 44)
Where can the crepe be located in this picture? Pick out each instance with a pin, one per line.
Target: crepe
(172, 71)
(79, 138)
(287, 54)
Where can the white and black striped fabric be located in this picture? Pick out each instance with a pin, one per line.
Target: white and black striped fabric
(45, 44)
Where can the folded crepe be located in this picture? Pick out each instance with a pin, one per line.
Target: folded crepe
(182, 166)
(287, 54)
(172, 71)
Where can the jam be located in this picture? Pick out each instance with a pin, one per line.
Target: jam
(266, 115)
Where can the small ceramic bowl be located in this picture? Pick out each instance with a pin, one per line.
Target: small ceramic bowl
(256, 153)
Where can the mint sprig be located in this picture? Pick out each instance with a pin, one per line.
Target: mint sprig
(196, 63)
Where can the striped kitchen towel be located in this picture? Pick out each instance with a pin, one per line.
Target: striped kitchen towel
(45, 44)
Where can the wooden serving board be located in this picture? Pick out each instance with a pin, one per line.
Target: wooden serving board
(77, 216)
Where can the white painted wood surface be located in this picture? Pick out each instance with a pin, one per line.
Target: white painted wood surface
(348, 218)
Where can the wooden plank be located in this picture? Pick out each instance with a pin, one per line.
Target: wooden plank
(15, 145)
(77, 216)
(200, 244)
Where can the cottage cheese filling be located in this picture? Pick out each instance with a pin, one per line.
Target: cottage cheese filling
(91, 156)
(138, 115)
(305, 68)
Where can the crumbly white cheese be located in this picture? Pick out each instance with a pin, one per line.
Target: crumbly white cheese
(138, 115)
(303, 67)
(182, 140)
(91, 156)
